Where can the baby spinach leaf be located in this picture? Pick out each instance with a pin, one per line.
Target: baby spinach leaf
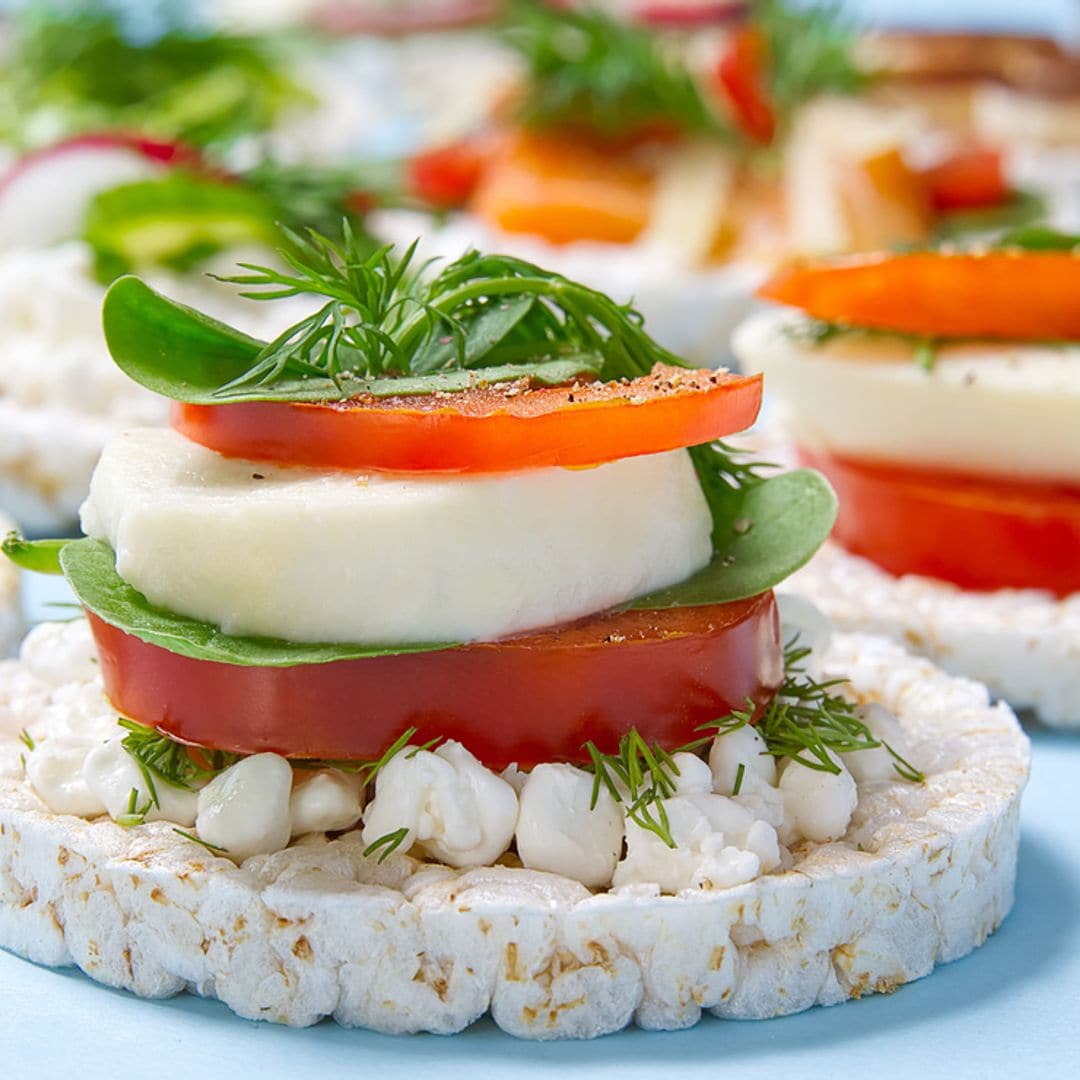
(38, 556)
(767, 531)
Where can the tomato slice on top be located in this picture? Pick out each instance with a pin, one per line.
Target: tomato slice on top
(1010, 294)
(490, 428)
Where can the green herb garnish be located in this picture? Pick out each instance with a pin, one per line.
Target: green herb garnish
(201, 842)
(135, 814)
(79, 67)
(585, 68)
(808, 720)
(386, 845)
(173, 762)
(810, 51)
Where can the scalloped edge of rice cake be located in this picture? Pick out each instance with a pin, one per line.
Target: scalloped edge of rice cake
(924, 875)
(1024, 644)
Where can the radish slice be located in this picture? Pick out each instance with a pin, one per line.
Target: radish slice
(45, 195)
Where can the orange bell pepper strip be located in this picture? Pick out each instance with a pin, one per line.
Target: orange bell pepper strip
(561, 187)
(1007, 294)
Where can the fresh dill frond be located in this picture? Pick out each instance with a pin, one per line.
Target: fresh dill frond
(638, 776)
(386, 845)
(809, 721)
(586, 68)
(216, 849)
(171, 761)
(381, 318)
(27, 740)
(135, 814)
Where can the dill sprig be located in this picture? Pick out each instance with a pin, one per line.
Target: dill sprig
(387, 845)
(808, 721)
(179, 765)
(215, 848)
(586, 68)
(135, 815)
(27, 740)
(383, 318)
(640, 777)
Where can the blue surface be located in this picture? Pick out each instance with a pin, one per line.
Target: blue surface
(1011, 1009)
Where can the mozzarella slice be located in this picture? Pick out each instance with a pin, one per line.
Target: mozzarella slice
(312, 555)
(1001, 410)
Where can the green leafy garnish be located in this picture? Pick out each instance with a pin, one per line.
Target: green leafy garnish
(215, 848)
(764, 529)
(807, 721)
(38, 556)
(640, 777)
(177, 221)
(809, 49)
(493, 315)
(1022, 209)
(79, 67)
(1039, 238)
(136, 815)
(386, 845)
(585, 68)
(27, 740)
(173, 762)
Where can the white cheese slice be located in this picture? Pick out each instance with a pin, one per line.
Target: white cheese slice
(312, 555)
(1002, 410)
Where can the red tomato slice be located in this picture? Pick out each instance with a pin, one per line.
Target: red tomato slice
(527, 699)
(447, 176)
(977, 533)
(1010, 294)
(740, 76)
(491, 429)
(969, 179)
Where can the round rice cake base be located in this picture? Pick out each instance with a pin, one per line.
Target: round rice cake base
(1024, 644)
(924, 875)
(10, 598)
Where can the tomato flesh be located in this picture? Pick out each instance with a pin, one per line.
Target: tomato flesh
(527, 699)
(740, 76)
(978, 533)
(490, 429)
(446, 176)
(967, 180)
